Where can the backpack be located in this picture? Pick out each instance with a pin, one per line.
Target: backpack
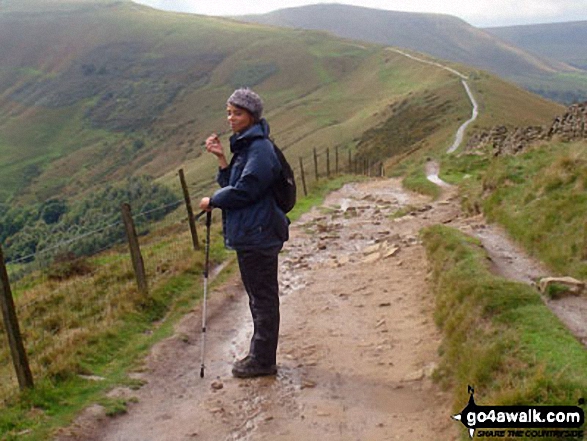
(284, 188)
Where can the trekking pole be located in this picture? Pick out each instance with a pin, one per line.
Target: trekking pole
(206, 271)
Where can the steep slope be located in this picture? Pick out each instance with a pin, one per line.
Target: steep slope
(92, 91)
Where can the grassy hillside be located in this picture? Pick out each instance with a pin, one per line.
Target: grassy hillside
(94, 91)
(564, 42)
(549, 218)
(444, 37)
(97, 91)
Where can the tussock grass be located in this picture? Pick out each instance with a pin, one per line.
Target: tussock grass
(96, 324)
(540, 198)
(498, 335)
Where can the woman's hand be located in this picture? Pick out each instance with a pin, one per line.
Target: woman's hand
(214, 146)
(205, 204)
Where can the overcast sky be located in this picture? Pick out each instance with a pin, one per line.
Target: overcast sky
(477, 12)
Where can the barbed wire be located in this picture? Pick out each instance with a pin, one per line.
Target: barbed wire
(66, 242)
(145, 213)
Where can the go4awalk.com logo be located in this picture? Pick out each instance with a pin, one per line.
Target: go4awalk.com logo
(522, 421)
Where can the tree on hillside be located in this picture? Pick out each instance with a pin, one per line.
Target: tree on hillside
(52, 210)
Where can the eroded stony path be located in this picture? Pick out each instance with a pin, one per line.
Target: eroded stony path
(357, 350)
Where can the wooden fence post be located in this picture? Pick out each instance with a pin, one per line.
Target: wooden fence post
(19, 356)
(336, 160)
(188, 205)
(327, 162)
(303, 177)
(315, 164)
(135, 250)
(350, 162)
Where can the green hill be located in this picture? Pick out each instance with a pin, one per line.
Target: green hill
(442, 36)
(96, 91)
(564, 42)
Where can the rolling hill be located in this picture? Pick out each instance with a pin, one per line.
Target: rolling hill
(564, 42)
(441, 36)
(94, 91)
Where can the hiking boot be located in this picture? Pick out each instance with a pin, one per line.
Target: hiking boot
(249, 367)
(242, 361)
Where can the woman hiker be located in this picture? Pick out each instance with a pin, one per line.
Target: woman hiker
(253, 225)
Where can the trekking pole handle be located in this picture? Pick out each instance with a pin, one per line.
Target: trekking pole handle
(200, 214)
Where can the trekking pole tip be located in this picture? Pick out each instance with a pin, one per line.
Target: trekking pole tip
(202, 372)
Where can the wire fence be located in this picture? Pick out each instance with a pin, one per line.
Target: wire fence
(64, 301)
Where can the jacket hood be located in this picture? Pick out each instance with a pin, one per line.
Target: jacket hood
(257, 130)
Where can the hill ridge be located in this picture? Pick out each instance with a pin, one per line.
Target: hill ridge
(559, 41)
(415, 31)
(446, 37)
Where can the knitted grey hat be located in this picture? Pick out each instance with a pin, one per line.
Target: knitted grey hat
(246, 99)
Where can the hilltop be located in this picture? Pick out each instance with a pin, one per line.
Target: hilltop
(446, 37)
(443, 36)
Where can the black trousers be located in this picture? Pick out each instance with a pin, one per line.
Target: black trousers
(258, 270)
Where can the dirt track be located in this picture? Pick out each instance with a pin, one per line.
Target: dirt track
(358, 343)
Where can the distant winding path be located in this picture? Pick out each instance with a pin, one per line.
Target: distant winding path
(508, 259)
(461, 131)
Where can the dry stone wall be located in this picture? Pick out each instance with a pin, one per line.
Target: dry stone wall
(571, 126)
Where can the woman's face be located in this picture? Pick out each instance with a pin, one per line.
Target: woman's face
(238, 119)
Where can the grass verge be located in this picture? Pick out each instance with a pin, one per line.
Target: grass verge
(546, 213)
(417, 181)
(538, 196)
(85, 334)
(498, 335)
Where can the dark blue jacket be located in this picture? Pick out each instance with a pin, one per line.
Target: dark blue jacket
(251, 217)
